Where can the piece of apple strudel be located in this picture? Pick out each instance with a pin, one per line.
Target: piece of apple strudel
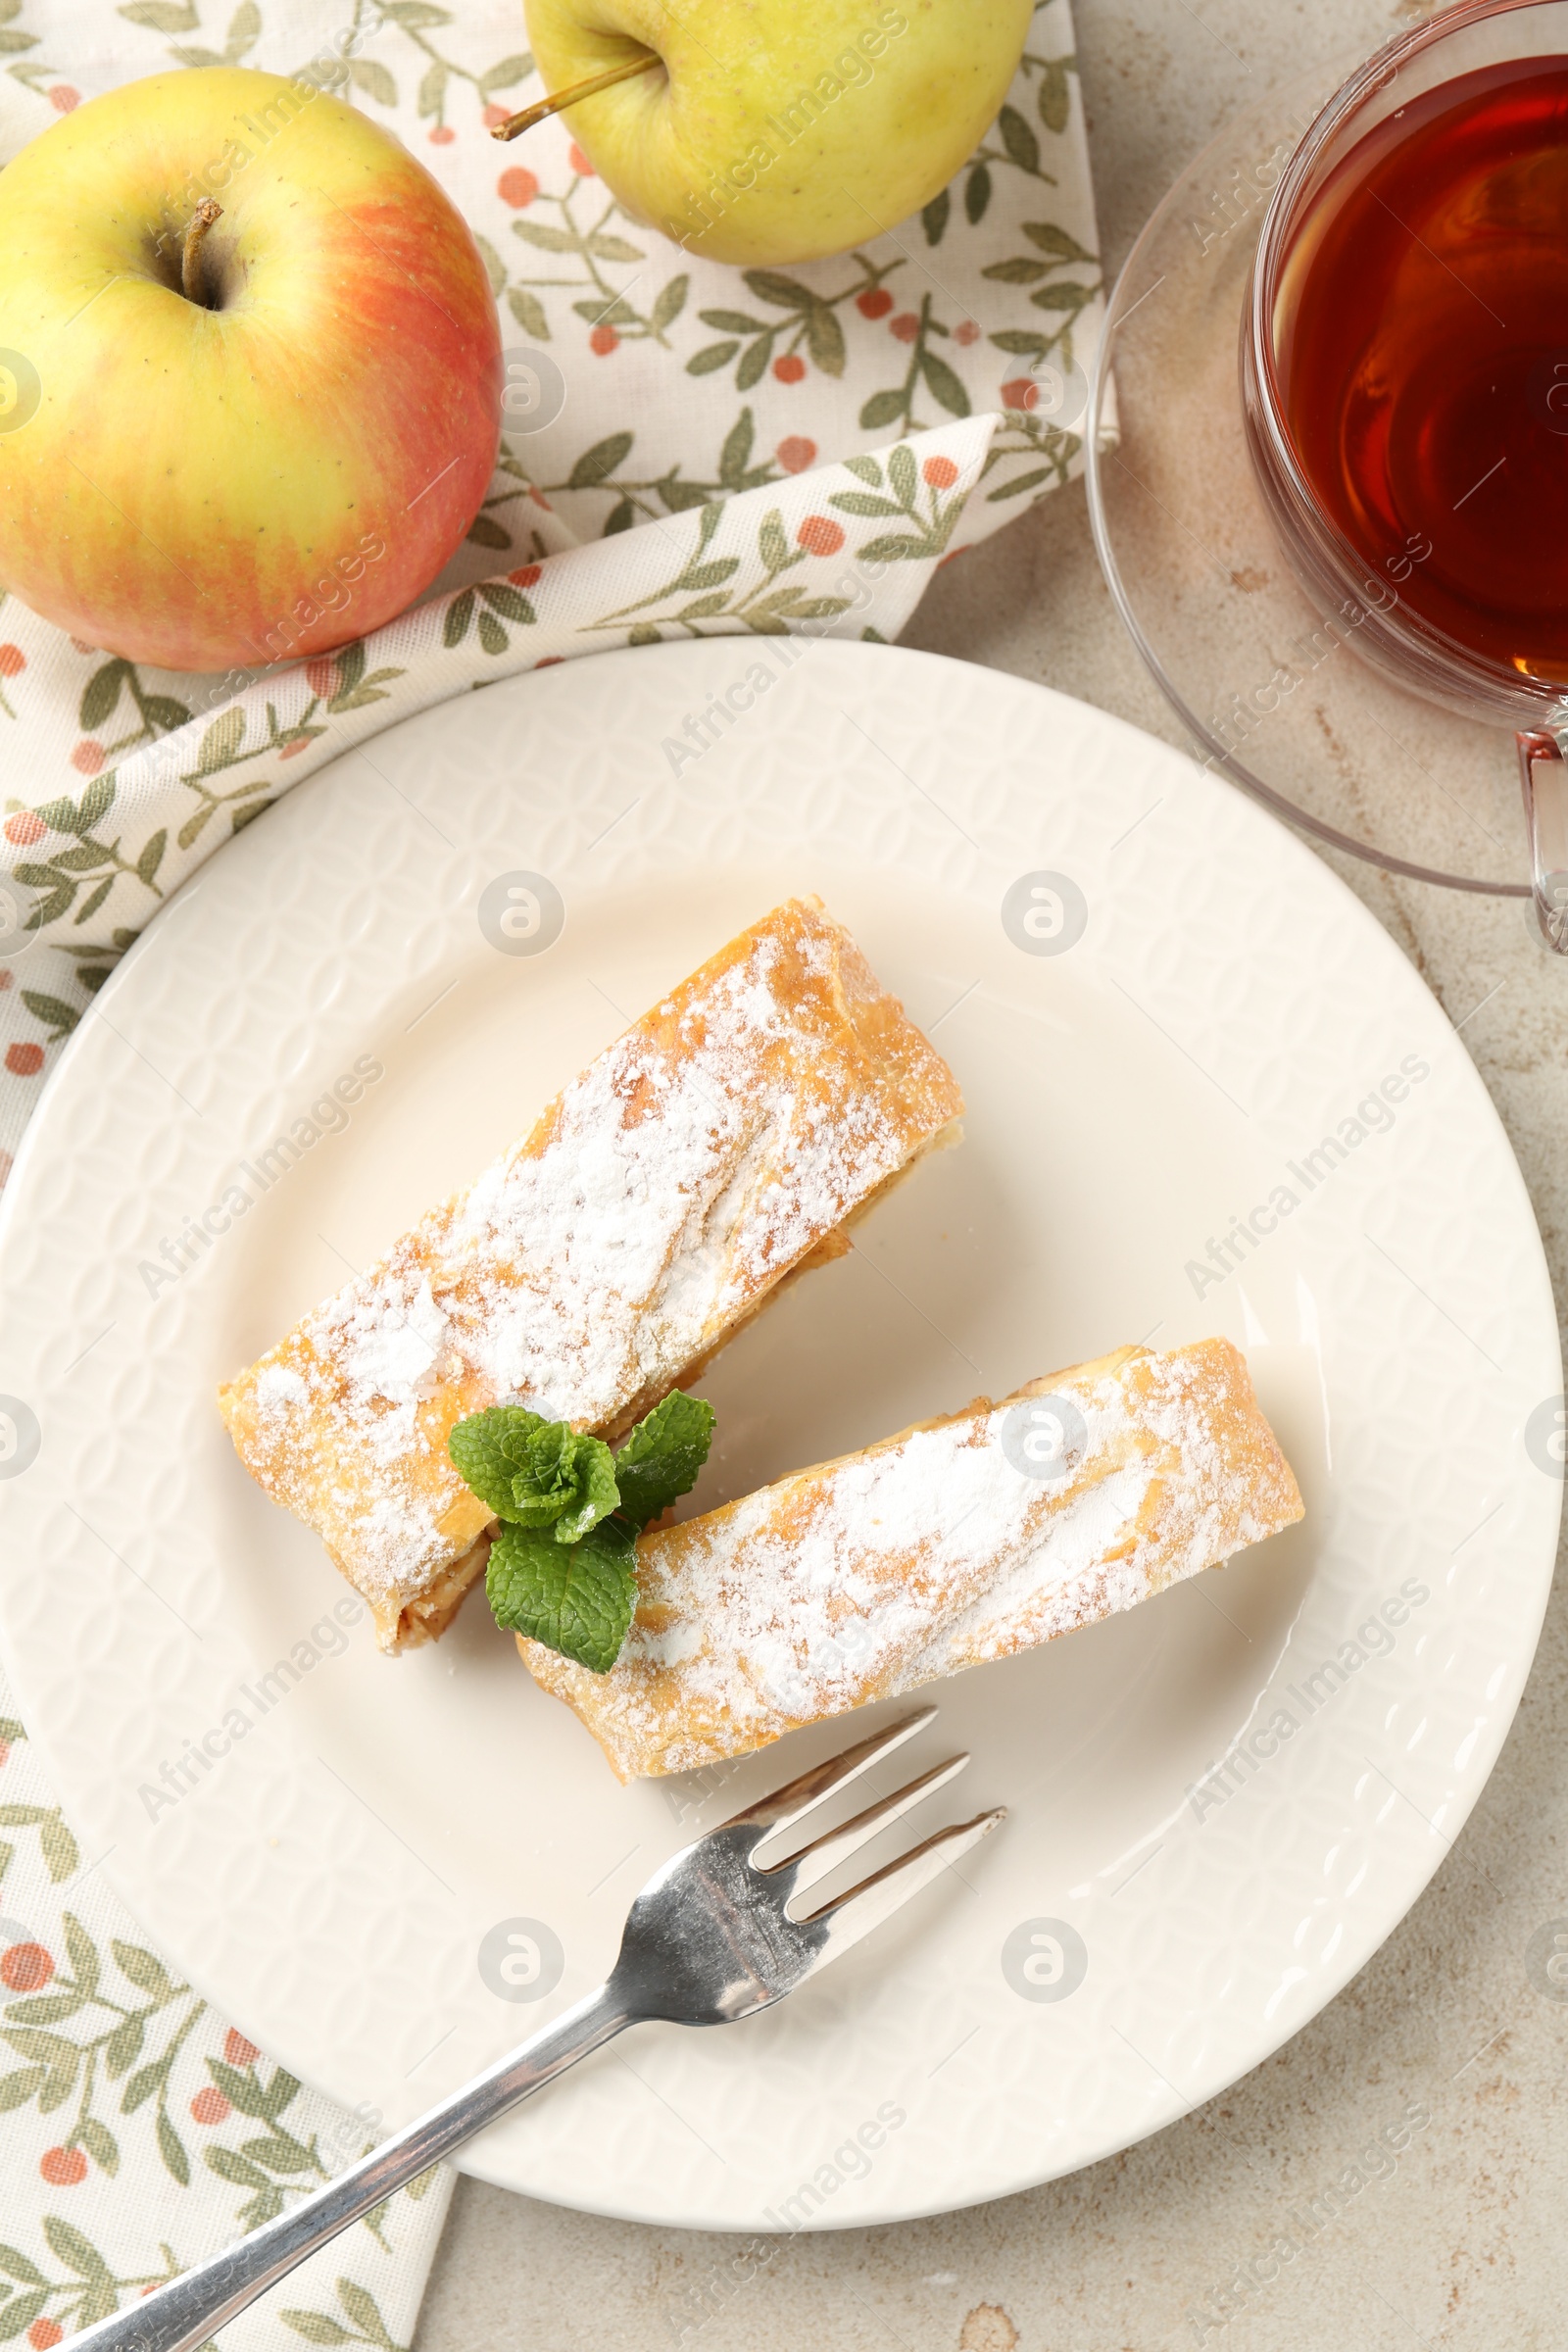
(961, 1540)
(718, 1146)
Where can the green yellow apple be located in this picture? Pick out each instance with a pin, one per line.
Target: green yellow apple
(278, 460)
(779, 130)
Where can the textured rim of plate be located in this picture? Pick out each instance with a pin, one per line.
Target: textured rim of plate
(1264, 965)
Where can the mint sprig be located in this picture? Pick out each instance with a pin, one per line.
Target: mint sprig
(534, 1472)
(562, 1569)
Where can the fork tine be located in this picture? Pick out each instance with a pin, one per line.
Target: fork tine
(826, 1853)
(798, 1798)
(876, 1898)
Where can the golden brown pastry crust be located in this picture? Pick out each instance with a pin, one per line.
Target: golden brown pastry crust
(653, 1207)
(863, 1578)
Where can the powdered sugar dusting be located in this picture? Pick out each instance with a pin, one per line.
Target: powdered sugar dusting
(928, 1555)
(662, 1193)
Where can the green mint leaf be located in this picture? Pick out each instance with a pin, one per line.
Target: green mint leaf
(569, 1484)
(576, 1598)
(489, 1449)
(533, 1472)
(562, 1569)
(663, 1456)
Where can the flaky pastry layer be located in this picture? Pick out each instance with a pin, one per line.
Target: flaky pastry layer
(656, 1204)
(958, 1540)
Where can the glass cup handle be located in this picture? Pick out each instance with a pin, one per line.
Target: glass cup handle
(1543, 775)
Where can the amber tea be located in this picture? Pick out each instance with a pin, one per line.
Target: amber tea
(1421, 345)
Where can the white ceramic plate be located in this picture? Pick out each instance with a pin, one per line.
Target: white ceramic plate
(330, 1881)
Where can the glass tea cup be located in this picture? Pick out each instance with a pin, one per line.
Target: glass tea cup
(1379, 372)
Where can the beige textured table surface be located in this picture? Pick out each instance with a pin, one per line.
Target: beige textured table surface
(1463, 2246)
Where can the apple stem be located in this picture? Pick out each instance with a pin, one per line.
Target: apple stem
(190, 261)
(514, 125)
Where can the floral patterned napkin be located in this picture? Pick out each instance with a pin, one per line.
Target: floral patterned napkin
(697, 450)
(139, 2132)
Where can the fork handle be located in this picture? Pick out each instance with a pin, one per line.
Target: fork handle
(190, 2308)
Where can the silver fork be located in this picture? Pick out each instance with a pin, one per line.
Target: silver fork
(708, 1939)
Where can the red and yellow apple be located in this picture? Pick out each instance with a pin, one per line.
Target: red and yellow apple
(284, 456)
